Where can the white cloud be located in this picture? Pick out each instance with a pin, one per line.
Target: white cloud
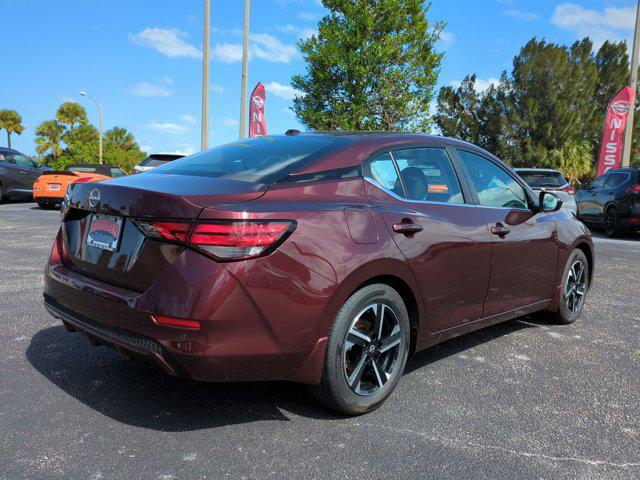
(146, 148)
(185, 150)
(307, 16)
(167, 127)
(168, 41)
(447, 37)
(608, 24)
(186, 118)
(283, 91)
(481, 84)
(217, 88)
(269, 48)
(521, 15)
(146, 89)
(228, 122)
(261, 45)
(167, 80)
(287, 28)
(227, 52)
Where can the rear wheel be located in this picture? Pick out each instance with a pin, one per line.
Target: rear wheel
(45, 204)
(367, 351)
(612, 223)
(575, 284)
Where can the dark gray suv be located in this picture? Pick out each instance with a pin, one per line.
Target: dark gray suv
(17, 173)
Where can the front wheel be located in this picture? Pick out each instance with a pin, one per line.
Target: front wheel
(574, 287)
(367, 350)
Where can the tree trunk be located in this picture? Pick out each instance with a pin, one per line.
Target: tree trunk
(8, 138)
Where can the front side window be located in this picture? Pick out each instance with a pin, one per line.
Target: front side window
(616, 179)
(427, 175)
(23, 160)
(495, 187)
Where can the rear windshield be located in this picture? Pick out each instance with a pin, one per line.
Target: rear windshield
(82, 169)
(543, 179)
(260, 160)
(157, 160)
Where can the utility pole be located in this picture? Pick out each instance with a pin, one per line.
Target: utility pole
(245, 64)
(633, 83)
(204, 133)
(99, 104)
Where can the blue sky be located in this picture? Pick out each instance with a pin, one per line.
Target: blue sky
(142, 59)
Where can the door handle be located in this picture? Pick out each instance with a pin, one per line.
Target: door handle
(500, 230)
(408, 229)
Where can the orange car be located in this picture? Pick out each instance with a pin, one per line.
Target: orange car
(51, 187)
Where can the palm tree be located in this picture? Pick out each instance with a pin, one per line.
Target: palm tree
(12, 123)
(48, 137)
(121, 138)
(70, 113)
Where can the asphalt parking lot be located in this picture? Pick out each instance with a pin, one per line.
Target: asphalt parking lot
(525, 399)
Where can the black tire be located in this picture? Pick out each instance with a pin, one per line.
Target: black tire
(2, 197)
(380, 366)
(46, 204)
(612, 223)
(567, 314)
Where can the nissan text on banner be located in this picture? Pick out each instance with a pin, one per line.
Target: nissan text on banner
(614, 126)
(257, 122)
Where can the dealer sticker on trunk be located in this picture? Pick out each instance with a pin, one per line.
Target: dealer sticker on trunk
(104, 232)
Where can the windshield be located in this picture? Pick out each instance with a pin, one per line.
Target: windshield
(260, 160)
(543, 179)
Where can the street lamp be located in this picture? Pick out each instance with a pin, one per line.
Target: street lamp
(245, 61)
(85, 94)
(204, 132)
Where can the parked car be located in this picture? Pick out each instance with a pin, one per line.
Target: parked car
(18, 172)
(326, 259)
(612, 201)
(155, 160)
(550, 180)
(51, 187)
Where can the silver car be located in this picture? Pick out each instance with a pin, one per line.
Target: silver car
(549, 180)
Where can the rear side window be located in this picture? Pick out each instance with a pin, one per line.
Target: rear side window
(384, 172)
(599, 182)
(543, 179)
(495, 187)
(116, 172)
(260, 160)
(427, 175)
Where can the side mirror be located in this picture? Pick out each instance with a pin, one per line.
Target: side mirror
(549, 202)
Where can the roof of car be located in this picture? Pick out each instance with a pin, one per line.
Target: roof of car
(538, 170)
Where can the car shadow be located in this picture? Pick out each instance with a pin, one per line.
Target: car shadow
(140, 394)
(626, 236)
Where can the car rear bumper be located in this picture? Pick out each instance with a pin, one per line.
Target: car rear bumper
(245, 334)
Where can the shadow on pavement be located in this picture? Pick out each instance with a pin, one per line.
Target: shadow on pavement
(140, 394)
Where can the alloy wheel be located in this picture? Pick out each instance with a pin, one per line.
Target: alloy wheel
(610, 222)
(372, 349)
(575, 287)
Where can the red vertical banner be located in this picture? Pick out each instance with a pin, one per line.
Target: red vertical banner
(614, 126)
(257, 122)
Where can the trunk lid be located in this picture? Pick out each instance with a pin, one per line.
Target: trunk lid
(138, 261)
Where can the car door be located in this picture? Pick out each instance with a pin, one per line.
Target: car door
(525, 248)
(588, 201)
(27, 170)
(10, 174)
(443, 238)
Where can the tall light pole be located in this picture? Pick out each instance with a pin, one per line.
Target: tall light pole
(245, 65)
(633, 83)
(204, 133)
(85, 94)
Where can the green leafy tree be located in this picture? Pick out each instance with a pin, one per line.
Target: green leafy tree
(121, 137)
(372, 66)
(70, 114)
(48, 141)
(573, 159)
(81, 135)
(11, 121)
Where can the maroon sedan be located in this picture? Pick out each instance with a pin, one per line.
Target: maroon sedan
(327, 259)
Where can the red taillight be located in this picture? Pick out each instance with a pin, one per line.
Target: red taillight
(161, 230)
(570, 189)
(83, 179)
(176, 322)
(237, 240)
(635, 188)
(224, 239)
